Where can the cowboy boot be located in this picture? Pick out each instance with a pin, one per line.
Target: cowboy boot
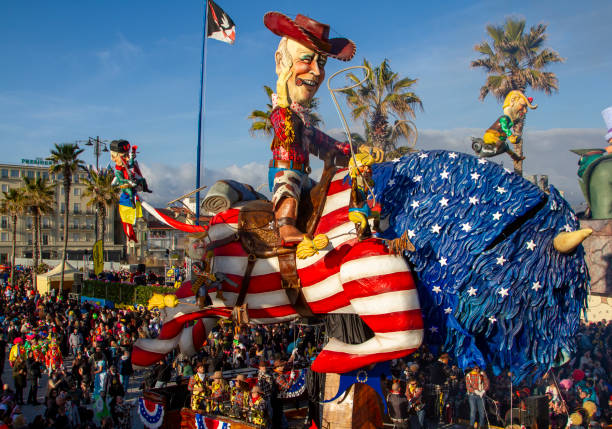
(285, 216)
(515, 156)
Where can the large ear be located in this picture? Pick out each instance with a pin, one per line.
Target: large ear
(278, 61)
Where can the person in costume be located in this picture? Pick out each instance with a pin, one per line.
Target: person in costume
(127, 171)
(239, 396)
(497, 136)
(197, 387)
(477, 384)
(218, 394)
(257, 407)
(16, 350)
(53, 356)
(300, 65)
(416, 406)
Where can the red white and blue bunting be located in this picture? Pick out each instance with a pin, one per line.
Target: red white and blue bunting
(150, 413)
(208, 423)
(297, 388)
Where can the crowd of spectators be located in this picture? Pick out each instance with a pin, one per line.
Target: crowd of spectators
(85, 352)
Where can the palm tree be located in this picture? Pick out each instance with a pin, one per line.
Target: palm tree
(384, 96)
(261, 123)
(102, 194)
(515, 60)
(65, 160)
(40, 198)
(13, 205)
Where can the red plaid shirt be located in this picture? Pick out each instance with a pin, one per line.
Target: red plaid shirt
(476, 381)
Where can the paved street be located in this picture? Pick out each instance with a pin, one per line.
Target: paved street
(31, 411)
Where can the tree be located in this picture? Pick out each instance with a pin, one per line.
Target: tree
(65, 160)
(13, 205)
(384, 96)
(102, 194)
(261, 123)
(40, 198)
(515, 60)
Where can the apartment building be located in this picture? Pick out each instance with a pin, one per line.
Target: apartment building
(81, 236)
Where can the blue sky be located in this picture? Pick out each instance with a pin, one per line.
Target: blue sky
(130, 70)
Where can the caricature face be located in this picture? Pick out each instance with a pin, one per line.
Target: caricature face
(308, 71)
(116, 158)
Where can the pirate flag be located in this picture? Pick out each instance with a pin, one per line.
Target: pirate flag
(220, 25)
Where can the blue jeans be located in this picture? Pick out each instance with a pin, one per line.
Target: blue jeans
(477, 403)
(125, 381)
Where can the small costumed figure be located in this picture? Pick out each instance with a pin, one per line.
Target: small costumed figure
(240, 396)
(17, 350)
(257, 407)
(39, 356)
(130, 180)
(361, 182)
(218, 394)
(300, 66)
(53, 357)
(496, 138)
(197, 387)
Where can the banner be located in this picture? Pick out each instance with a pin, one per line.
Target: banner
(98, 257)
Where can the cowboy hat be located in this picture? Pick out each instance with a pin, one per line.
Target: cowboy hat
(310, 33)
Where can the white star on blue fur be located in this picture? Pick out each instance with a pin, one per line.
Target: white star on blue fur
(433, 329)
(497, 216)
(473, 200)
(503, 292)
(536, 286)
(472, 291)
(444, 174)
(411, 233)
(423, 155)
(500, 260)
(391, 182)
(482, 161)
(414, 204)
(436, 289)
(466, 227)
(501, 190)
(436, 229)
(417, 178)
(567, 228)
(492, 319)
(444, 202)
(452, 155)
(448, 310)
(443, 262)
(531, 245)
(475, 176)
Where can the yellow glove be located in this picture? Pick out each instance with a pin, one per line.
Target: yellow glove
(512, 139)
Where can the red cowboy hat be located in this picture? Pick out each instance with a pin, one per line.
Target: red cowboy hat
(310, 33)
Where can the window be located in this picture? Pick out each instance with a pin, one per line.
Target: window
(4, 236)
(62, 208)
(31, 174)
(45, 239)
(46, 223)
(76, 237)
(77, 192)
(15, 174)
(5, 187)
(77, 208)
(45, 175)
(5, 173)
(4, 222)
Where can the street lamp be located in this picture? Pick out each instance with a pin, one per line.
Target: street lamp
(99, 146)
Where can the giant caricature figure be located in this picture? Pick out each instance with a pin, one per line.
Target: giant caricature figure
(300, 65)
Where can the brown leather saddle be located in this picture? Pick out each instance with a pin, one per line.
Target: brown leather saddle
(258, 234)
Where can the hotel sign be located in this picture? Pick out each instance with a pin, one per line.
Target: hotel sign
(37, 161)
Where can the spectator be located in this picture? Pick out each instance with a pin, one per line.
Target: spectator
(477, 384)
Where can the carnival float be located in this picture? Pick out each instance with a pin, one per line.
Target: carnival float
(435, 247)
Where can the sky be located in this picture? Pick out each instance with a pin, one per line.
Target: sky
(117, 69)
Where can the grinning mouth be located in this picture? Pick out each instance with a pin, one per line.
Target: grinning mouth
(307, 82)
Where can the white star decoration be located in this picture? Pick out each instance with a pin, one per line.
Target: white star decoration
(423, 155)
(417, 178)
(448, 310)
(452, 155)
(501, 190)
(475, 176)
(500, 260)
(395, 160)
(436, 289)
(433, 329)
(497, 216)
(472, 291)
(444, 202)
(444, 174)
(567, 228)
(492, 319)
(482, 161)
(503, 292)
(414, 204)
(391, 182)
(443, 262)
(531, 245)
(411, 233)
(473, 200)
(466, 227)
(436, 229)
(536, 286)
(507, 171)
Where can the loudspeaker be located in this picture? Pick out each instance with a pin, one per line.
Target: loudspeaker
(537, 412)
(142, 268)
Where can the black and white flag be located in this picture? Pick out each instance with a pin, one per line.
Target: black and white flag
(220, 25)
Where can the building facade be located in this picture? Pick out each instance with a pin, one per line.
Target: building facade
(81, 229)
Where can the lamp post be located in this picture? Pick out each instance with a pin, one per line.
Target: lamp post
(99, 146)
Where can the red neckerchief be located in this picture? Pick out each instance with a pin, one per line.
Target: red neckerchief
(297, 108)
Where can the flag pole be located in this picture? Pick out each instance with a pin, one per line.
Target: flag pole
(202, 95)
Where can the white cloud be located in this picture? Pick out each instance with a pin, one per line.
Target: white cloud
(114, 58)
